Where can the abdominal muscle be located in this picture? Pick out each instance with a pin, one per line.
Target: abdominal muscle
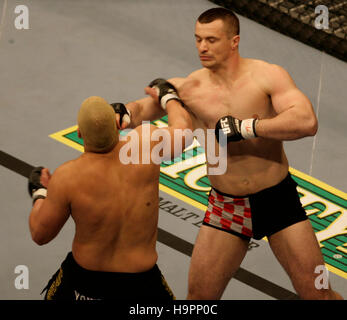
(252, 166)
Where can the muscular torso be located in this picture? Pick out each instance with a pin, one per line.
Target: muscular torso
(252, 165)
(115, 209)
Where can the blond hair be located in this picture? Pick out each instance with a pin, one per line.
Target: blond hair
(97, 125)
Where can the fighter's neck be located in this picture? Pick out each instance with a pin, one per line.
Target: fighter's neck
(228, 72)
(93, 155)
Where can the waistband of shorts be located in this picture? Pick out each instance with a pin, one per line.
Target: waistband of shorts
(71, 265)
(284, 181)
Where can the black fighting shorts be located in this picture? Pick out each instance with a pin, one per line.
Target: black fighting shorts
(72, 282)
(256, 215)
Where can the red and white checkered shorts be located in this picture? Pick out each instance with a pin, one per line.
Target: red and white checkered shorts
(230, 214)
(256, 215)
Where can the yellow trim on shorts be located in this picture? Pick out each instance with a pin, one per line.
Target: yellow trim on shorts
(167, 288)
(56, 283)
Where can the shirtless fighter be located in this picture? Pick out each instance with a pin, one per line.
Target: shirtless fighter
(256, 196)
(114, 207)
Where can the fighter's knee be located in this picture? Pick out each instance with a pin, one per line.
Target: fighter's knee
(203, 292)
(195, 294)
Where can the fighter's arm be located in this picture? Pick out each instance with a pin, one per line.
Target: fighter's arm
(179, 128)
(169, 142)
(295, 115)
(146, 109)
(294, 119)
(48, 215)
(178, 134)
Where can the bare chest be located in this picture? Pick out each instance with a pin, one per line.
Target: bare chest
(243, 100)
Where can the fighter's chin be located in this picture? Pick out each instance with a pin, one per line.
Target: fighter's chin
(207, 64)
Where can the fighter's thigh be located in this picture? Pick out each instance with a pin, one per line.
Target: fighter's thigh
(216, 257)
(298, 251)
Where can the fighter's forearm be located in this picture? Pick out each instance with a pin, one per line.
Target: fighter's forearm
(34, 223)
(145, 109)
(178, 117)
(180, 127)
(292, 124)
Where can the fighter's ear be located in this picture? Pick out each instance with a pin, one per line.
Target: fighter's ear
(235, 42)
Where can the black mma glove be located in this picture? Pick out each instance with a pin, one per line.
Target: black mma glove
(123, 112)
(165, 91)
(35, 188)
(235, 129)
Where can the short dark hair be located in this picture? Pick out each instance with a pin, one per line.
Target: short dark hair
(226, 15)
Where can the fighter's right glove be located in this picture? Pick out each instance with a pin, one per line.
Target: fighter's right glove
(35, 188)
(165, 91)
(123, 112)
(235, 129)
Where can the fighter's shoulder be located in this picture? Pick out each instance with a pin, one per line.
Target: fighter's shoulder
(62, 177)
(192, 78)
(262, 68)
(65, 170)
(177, 82)
(269, 75)
(198, 73)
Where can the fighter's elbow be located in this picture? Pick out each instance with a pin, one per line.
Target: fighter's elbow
(38, 236)
(38, 239)
(314, 129)
(41, 243)
(311, 126)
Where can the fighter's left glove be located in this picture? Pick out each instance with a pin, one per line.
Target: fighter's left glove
(124, 113)
(35, 188)
(165, 91)
(235, 129)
